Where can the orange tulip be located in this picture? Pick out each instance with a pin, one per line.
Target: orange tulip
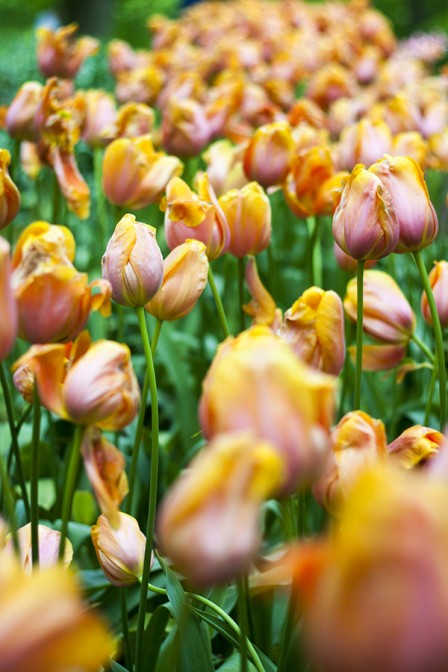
(248, 214)
(416, 446)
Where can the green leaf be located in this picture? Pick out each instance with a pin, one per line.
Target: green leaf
(168, 659)
(84, 509)
(233, 664)
(154, 636)
(116, 667)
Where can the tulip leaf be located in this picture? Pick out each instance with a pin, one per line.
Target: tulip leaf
(194, 644)
(154, 636)
(116, 667)
(233, 664)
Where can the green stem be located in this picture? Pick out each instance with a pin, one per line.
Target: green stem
(437, 334)
(18, 426)
(423, 347)
(125, 627)
(432, 385)
(359, 323)
(70, 484)
(56, 200)
(34, 489)
(152, 503)
(100, 201)
(241, 275)
(218, 303)
(14, 442)
(315, 252)
(140, 423)
(10, 505)
(242, 617)
(287, 631)
(301, 517)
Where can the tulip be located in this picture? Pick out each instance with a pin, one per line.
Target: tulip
(29, 159)
(416, 446)
(133, 263)
(9, 194)
(269, 153)
(131, 120)
(248, 214)
(257, 383)
(199, 216)
(262, 307)
(438, 279)
(49, 541)
(224, 166)
(20, 115)
(410, 144)
(142, 84)
(105, 469)
(90, 385)
(208, 523)
(310, 169)
(185, 272)
(120, 549)
(134, 174)
(186, 130)
(364, 142)
(329, 83)
(46, 625)
(60, 54)
(329, 194)
(314, 328)
(416, 217)
(364, 224)
(8, 306)
(99, 114)
(358, 441)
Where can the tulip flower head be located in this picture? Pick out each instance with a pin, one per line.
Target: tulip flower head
(49, 542)
(9, 194)
(248, 214)
(416, 446)
(60, 54)
(269, 153)
(8, 306)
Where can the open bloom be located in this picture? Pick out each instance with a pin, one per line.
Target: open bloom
(90, 384)
(416, 446)
(9, 194)
(60, 54)
(133, 262)
(8, 306)
(438, 279)
(248, 214)
(49, 542)
(257, 383)
(208, 523)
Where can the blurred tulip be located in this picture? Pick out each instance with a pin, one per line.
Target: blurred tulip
(256, 383)
(90, 384)
(248, 214)
(9, 194)
(185, 272)
(412, 145)
(404, 180)
(329, 194)
(314, 329)
(208, 523)
(199, 216)
(416, 446)
(329, 83)
(186, 130)
(105, 468)
(224, 166)
(29, 159)
(438, 279)
(309, 170)
(60, 54)
(364, 223)
(141, 84)
(120, 549)
(269, 153)
(20, 115)
(8, 306)
(49, 541)
(131, 121)
(133, 263)
(100, 112)
(358, 441)
(438, 144)
(73, 186)
(346, 262)
(134, 174)
(45, 623)
(364, 142)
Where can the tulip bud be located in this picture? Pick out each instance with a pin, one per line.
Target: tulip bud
(364, 224)
(268, 155)
(60, 54)
(416, 446)
(310, 169)
(248, 214)
(49, 541)
(21, 112)
(100, 112)
(208, 523)
(133, 263)
(134, 174)
(314, 328)
(185, 272)
(357, 441)
(438, 278)
(417, 220)
(8, 306)
(186, 131)
(9, 194)
(120, 550)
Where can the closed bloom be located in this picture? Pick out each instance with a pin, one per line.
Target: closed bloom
(45, 623)
(248, 213)
(60, 54)
(208, 523)
(269, 153)
(9, 194)
(314, 328)
(357, 442)
(310, 169)
(8, 306)
(120, 549)
(186, 130)
(416, 446)
(20, 115)
(185, 272)
(199, 216)
(49, 542)
(133, 263)
(364, 223)
(438, 279)
(257, 383)
(100, 112)
(224, 164)
(364, 142)
(134, 174)
(410, 144)
(417, 220)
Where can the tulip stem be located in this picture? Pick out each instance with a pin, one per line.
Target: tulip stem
(140, 423)
(218, 303)
(70, 484)
(241, 274)
(152, 503)
(359, 324)
(315, 258)
(8, 499)
(242, 617)
(432, 385)
(437, 334)
(56, 200)
(14, 442)
(100, 201)
(423, 347)
(125, 625)
(34, 489)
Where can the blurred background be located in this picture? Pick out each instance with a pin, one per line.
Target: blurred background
(126, 19)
